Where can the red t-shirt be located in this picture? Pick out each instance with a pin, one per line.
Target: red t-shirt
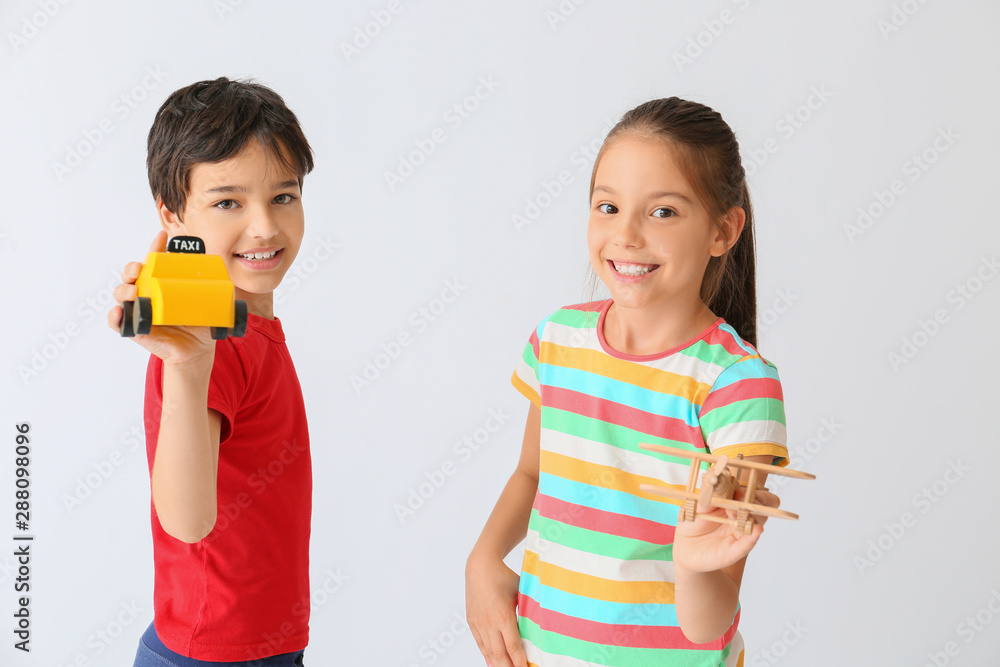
(242, 593)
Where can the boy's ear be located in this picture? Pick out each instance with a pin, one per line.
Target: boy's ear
(729, 231)
(169, 221)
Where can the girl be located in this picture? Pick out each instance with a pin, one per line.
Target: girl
(608, 577)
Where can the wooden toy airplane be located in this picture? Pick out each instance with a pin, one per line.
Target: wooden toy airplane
(718, 486)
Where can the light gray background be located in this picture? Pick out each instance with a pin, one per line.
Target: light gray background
(856, 581)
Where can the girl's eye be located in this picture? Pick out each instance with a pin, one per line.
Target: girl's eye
(607, 208)
(226, 204)
(663, 213)
(284, 199)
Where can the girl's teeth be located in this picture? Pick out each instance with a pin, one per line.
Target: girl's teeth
(633, 269)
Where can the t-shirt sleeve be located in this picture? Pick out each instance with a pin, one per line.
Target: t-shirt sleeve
(744, 413)
(526, 378)
(227, 386)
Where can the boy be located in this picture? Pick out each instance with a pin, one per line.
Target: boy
(226, 434)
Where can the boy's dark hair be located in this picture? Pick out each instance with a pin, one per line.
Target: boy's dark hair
(710, 157)
(211, 121)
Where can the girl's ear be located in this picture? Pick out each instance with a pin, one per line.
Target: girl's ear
(729, 231)
(170, 222)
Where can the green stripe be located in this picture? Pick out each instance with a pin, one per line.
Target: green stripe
(711, 353)
(605, 433)
(618, 656)
(595, 542)
(578, 319)
(751, 409)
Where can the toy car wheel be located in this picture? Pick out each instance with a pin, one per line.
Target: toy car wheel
(142, 317)
(126, 329)
(240, 321)
(220, 333)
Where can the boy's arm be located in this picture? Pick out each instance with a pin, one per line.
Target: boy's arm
(185, 466)
(187, 449)
(708, 570)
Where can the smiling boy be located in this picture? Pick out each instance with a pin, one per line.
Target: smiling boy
(226, 160)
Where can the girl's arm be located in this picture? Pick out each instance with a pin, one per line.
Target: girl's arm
(490, 586)
(708, 570)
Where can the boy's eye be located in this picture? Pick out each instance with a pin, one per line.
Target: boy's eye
(607, 208)
(226, 204)
(284, 199)
(663, 213)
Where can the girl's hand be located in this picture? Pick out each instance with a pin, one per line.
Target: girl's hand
(178, 346)
(705, 546)
(490, 600)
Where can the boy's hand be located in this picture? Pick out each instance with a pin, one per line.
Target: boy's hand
(704, 546)
(177, 346)
(490, 600)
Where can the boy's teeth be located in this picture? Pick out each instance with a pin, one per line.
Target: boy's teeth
(632, 269)
(259, 255)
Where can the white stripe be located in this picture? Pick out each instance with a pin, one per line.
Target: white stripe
(598, 453)
(739, 433)
(735, 650)
(595, 565)
(705, 372)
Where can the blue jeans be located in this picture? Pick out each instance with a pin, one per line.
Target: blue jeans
(153, 653)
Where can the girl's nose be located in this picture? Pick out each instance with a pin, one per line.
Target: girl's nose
(628, 231)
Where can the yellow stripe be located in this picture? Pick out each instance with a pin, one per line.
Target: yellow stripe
(526, 389)
(605, 477)
(596, 588)
(594, 361)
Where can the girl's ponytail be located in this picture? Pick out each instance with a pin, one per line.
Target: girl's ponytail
(734, 294)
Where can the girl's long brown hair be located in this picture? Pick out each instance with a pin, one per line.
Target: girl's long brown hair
(709, 155)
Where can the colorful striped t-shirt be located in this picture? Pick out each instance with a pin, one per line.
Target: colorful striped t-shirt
(597, 578)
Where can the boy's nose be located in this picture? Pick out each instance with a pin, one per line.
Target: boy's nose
(262, 226)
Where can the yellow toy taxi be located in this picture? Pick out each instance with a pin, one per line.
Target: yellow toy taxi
(185, 287)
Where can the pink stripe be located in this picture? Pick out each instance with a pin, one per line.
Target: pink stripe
(609, 523)
(740, 391)
(632, 636)
(622, 415)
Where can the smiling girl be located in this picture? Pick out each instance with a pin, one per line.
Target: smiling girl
(609, 577)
